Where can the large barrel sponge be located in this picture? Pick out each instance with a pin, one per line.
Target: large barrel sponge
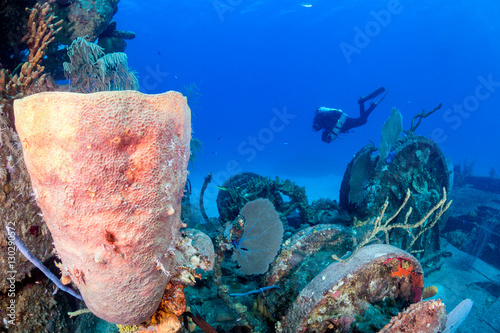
(108, 171)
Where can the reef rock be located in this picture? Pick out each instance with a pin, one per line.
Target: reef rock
(85, 18)
(108, 170)
(422, 317)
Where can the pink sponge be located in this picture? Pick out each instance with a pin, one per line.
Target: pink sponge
(108, 170)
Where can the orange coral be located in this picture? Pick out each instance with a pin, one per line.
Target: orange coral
(174, 300)
(41, 32)
(172, 305)
(405, 269)
(401, 271)
(169, 324)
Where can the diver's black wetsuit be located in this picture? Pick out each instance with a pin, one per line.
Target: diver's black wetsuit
(334, 121)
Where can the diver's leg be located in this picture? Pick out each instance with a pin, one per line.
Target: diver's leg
(365, 113)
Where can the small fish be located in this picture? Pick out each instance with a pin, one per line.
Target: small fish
(158, 52)
(222, 188)
(214, 152)
(306, 5)
(286, 142)
(176, 77)
(218, 138)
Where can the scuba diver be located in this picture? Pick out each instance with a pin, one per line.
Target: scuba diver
(334, 121)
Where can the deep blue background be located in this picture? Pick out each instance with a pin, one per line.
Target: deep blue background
(250, 57)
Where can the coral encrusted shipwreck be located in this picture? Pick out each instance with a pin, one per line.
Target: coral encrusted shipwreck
(333, 273)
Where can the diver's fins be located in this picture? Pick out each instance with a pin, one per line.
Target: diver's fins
(382, 98)
(373, 95)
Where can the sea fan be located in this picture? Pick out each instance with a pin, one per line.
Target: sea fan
(391, 131)
(360, 175)
(456, 317)
(261, 240)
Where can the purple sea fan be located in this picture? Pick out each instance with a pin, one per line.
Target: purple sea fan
(261, 240)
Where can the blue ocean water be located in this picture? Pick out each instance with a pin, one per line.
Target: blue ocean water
(256, 60)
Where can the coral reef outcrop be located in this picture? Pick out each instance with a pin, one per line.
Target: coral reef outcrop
(85, 18)
(113, 40)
